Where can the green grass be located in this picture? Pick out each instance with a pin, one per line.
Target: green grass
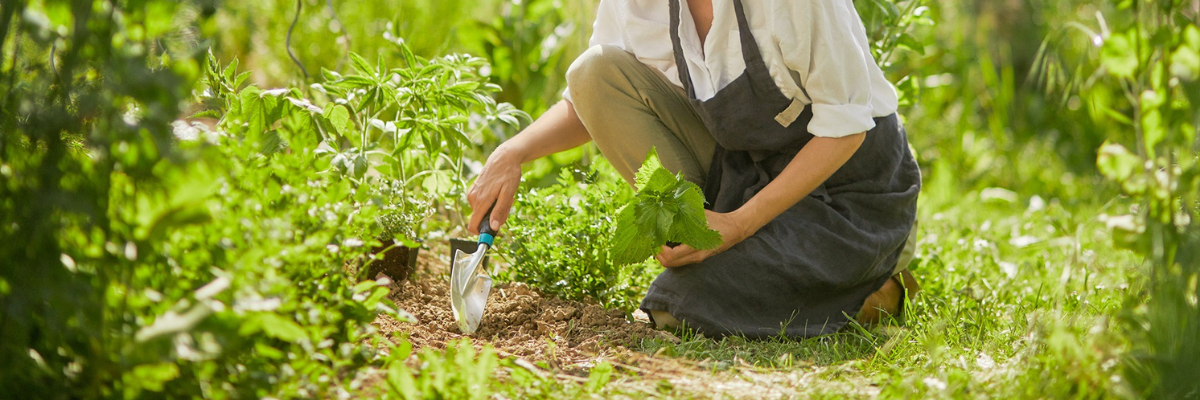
(1018, 301)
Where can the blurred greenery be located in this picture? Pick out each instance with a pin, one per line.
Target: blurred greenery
(975, 95)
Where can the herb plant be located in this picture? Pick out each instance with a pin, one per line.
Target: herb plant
(666, 208)
(560, 240)
(399, 132)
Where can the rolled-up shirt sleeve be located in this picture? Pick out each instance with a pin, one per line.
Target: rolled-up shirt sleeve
(605, 31)
(830, 53)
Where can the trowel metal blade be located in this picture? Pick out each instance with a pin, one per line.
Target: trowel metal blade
(469, 289)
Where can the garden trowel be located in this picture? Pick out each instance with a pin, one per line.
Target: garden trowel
(469, 282)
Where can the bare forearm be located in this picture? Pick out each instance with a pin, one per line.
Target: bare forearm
(815, 163)
(558, 129)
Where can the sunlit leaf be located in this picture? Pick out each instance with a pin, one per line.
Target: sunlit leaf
(1118, 55)
(281, 328)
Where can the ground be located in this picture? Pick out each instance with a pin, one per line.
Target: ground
(1018, 302)
(565, 339)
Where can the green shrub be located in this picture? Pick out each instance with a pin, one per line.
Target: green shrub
(146, 258)
(1151, 56)
(559, 240)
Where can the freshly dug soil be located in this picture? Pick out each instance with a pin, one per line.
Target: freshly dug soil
(518, 321)
(396, 262)
(570, 337)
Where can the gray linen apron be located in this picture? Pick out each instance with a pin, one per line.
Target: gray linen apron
(803, 273)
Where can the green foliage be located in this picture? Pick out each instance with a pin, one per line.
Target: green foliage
(1151, 56)
(526, 43)
(327, 31)
(666, 208)
(208, 263)
(86, 158)
(890, 24)
(219, 262)
(990, 96)
(458, 373)
(401, 132)
(462, 372)
(560, 240)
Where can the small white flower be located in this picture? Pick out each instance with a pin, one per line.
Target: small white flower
(985, 361)
(1036, 204)
(1023, 241)
(934, 383)
(67, 261)
(981, 244)
(1009, 269)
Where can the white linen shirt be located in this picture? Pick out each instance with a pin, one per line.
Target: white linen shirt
(818, 45)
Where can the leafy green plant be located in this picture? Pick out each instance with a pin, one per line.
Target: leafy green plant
(402, 132)
(1153, 55)
(666, 208)
(148, 257)
(460, 371)
(526, 43)
(326, 31)
(457, 373)
(414, 122)
(589, 236)
(890, 26)
(85, 151)
(560, 240)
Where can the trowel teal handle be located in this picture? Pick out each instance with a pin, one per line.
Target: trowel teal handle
(486, 233)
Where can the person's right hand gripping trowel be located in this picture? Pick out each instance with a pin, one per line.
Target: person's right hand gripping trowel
(469, 283)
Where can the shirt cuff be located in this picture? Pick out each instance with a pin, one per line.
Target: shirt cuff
(840, 120)
(566, 95)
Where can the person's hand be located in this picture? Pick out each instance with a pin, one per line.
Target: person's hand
(733, 230)
(497, 184)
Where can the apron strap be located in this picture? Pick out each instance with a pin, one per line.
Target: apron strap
(751, 54)
(681, 66)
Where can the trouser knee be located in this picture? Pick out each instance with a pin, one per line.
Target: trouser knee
(595, 70)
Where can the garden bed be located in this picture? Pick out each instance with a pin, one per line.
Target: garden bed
(565, 339)
(519, 321)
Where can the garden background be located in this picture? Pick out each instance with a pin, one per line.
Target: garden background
(193, 196)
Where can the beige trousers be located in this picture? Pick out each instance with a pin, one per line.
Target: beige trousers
(629, 108)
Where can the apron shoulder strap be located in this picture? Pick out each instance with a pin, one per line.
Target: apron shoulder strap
(685, 76)
(751, 54)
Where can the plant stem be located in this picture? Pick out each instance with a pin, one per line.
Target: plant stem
(288, 42)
